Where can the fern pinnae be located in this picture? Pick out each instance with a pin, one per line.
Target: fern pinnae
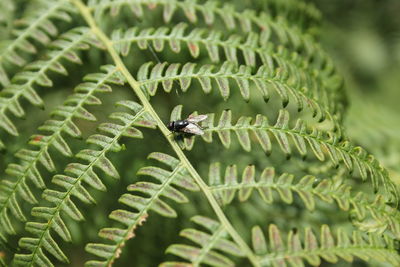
(38, 27)
(321, 144)
(35, 73)
(170, 183)
(305, 94)
(303, 10)
(210, 10)
(289, 36)
(76, 173)
(297, 250)
(285, 63)
(27, 170)
(211, 244)
(251, 46)
(370, 216)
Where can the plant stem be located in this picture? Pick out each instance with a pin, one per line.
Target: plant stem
(85, 11)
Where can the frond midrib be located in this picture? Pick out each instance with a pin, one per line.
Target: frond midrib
(300, 84)
(305, 136)
(211, 242)
(85, 12)
(285, 56)
(296, 188)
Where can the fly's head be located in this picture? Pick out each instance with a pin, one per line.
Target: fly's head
(170, 126)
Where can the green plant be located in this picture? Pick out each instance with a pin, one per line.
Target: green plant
(265, 67)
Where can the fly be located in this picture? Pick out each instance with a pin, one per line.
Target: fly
(189, 125)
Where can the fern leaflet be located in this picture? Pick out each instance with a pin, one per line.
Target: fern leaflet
(177, 176)
(320, 143)
(247, 20)
(211, 245)
(371, 216)
(299, 249)
(304, 91)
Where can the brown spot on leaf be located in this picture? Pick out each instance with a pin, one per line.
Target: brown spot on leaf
(152, 5)
(194, 48)
(37, 138)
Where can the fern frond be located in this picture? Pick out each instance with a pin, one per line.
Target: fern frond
(296, 250)
(51, 136)
(36, 25)
(210, 10)
(75, 175)
(233, 19)
(321, 144)
(35, 73)
(287, 35)
(295, 10)
(290, 82)
(371, 216)
(211, 243)
(252, 48)
(176, 176)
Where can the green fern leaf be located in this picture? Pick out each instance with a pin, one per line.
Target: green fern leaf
(369, 216)
(247, 20)
(253, 48)
(72, 182)
(176, 176)
(296, 10)
(267, 79)
(298, 249)
(244, 50)
(321, 144)
(35, 73)
(211, 244)
(62, 122)
(36, 25)
(211, 9)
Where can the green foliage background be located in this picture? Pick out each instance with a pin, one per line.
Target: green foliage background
(362, 38)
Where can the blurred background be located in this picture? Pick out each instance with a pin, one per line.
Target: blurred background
(363, 37)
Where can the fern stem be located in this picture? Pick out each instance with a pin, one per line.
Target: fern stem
(85, 12)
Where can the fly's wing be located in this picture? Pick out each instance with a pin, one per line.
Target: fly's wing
(193, 129)
(196, 119)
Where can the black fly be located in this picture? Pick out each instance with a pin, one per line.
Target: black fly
(188, 125)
